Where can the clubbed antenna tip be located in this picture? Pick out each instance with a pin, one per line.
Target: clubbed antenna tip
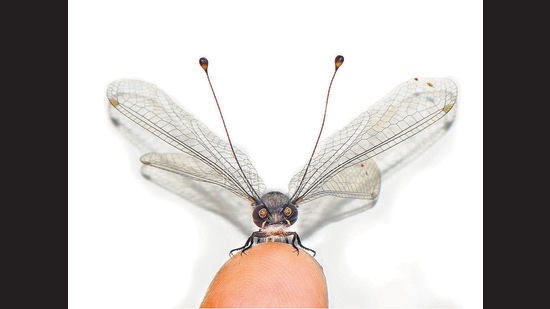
(204, 64)
(338, 61)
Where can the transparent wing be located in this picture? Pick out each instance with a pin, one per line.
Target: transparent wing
(351, 191)
(401, 115)
(189, 167)
(359, 181)
(205, 195)
(155, 123)
(328, 209)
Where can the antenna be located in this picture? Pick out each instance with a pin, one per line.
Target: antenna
(337, 63)
(204, 65)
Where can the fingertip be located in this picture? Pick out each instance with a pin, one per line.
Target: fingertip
(268, 275)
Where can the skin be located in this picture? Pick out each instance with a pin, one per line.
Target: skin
(268, 275)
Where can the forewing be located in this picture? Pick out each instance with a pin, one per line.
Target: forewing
(204, 156)
(189, 167)
(402, 114)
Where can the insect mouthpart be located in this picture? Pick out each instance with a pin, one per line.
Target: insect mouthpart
(285, 222)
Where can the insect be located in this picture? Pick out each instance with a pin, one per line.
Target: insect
(184, 156)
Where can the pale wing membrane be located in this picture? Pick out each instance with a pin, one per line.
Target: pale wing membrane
(359, 181)
(326, 210)
(390, 162)
(406, 111)
(353, 190)
(329, 209)
(142, 139)
(189, 167)
(205, 195)
(208, 157)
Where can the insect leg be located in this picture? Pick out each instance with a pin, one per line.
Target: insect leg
(294, 235)
(247, 245)
(296, 240)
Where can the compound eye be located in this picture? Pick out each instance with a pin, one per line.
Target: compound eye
(262, 213)
(287, 211)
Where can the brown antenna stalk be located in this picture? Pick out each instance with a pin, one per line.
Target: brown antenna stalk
(204, 65)
(337, 63)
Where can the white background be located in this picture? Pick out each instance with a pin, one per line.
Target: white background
(134, 245)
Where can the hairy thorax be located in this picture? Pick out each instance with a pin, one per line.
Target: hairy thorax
(275, 230)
